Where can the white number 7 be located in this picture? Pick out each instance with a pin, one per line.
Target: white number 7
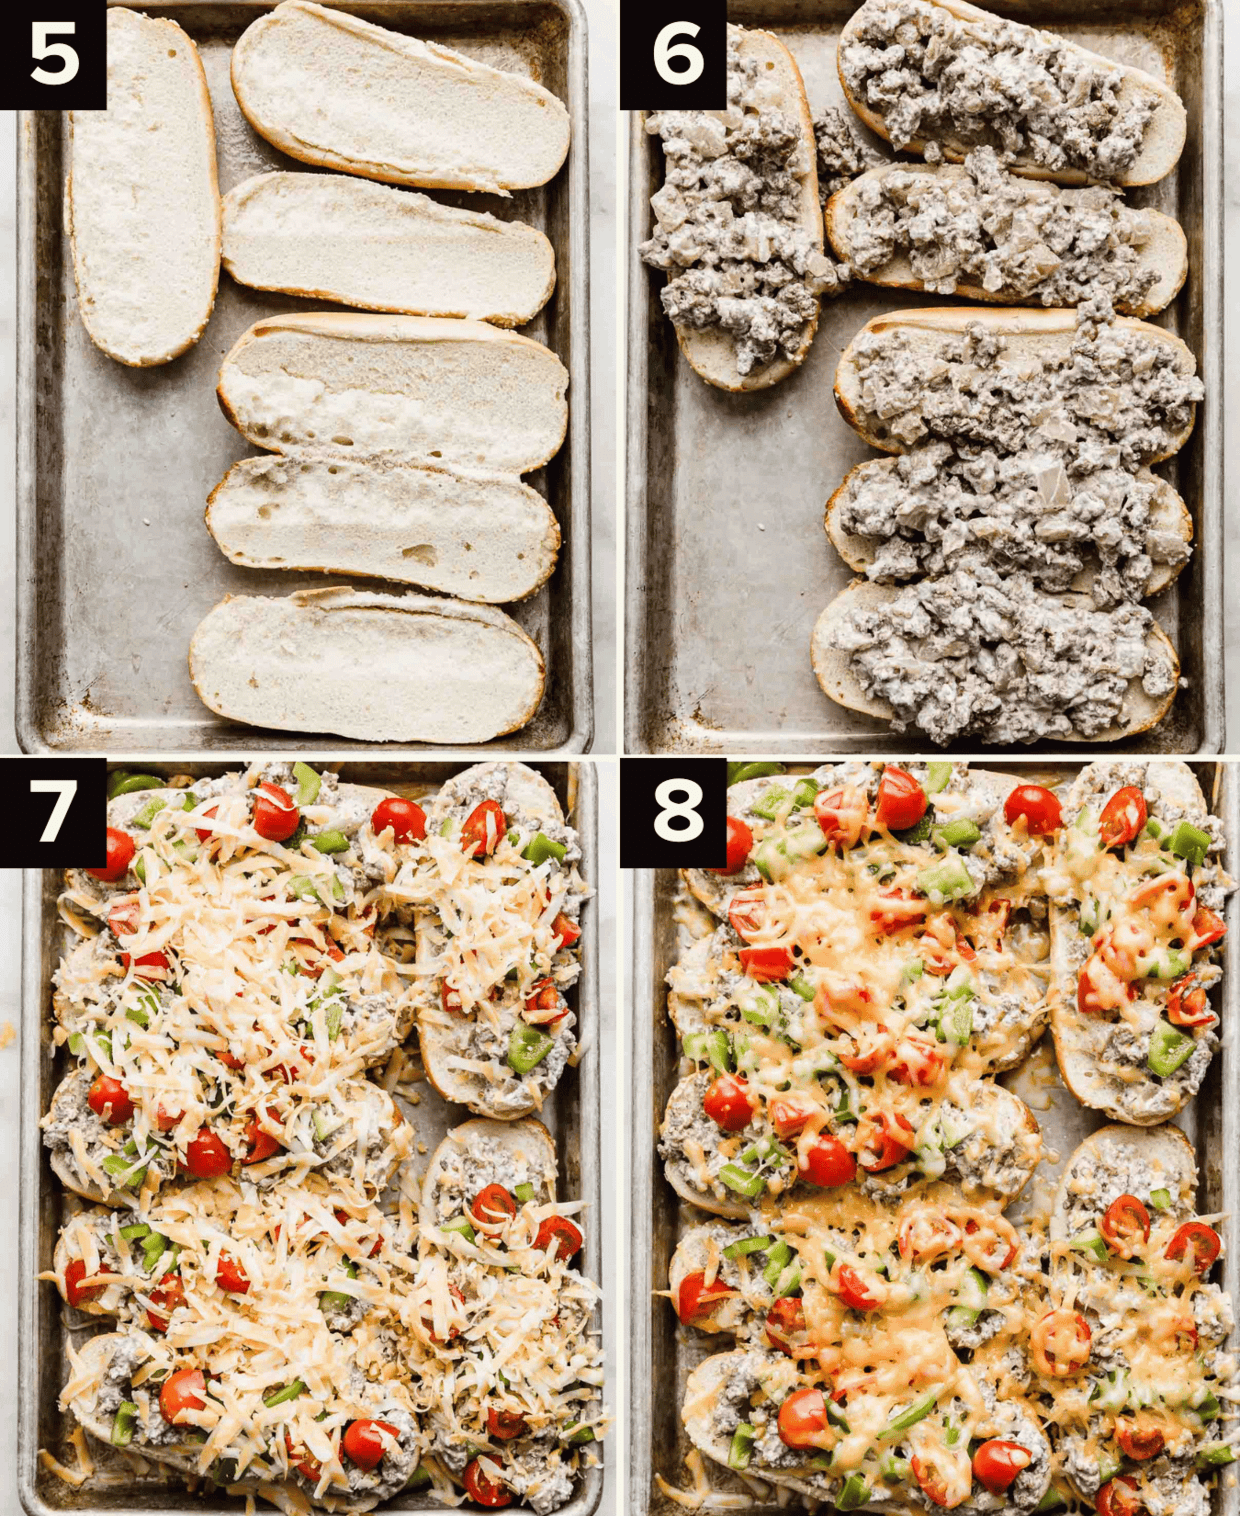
(42, 48)
(64, 790)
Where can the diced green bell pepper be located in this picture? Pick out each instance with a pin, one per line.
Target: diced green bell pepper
(894, 1470)
(776, 1259)
(527, 1047)
(800, 985)
(747, 1245)
(913, 971)
(742, 1446)
(910, 1415)
(739, 772)
(713, 1047)
(123, 1171)
(961, 832)
(805, 793)
(120, 782)
(540, 847)
(920, 831)
(1169, 1048)
(524, 1193)
(1111, 1393)
(938, 776)
(743, 1181)
(421, 1476)
(1051, 1501)
(330, 842)
(153, 1249)
(1216, 1456)
(331, 1301)
(135, 1231)
(125, 1423)
(1090, 1241)
(147, 814)
(1189, 842)
(1163, 963)
(946, 880)
(459, 1224)
(955, 1018)
(769, 806)
(308, 784)
(1160, 1199)
(854, 1494)
(289, 1392)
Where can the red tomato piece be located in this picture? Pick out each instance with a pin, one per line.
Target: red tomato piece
(363, 1441)
(1208, 927)
(124, 919)
(784, 1322)
(843, 815)
(302, 1461)
(898, 909)
(165, 1119)
(566, 930)
(803, 1419)
(728, 1103)
(1060, 1343)
(1125, 1225)
(166, 1297)
(493, 1205)
(991, 1247)
(857, 1293)
(901, 800)
(567, 1238)
(740, 842)
(544, 1005)
(406, 818)
(482, 1489)
(109, 1099)
(453, 1331)
(1139, 1438)
(121, 849)
(261, 1144)
(1123, 817)
(275, 816)
(747, 912)
(933, 1483)
(483, 828)
(205, 833)
(928, 1234)
(766, 965)
(789, 1113)
(75, 1272)
(1197, 1241)
(450, 999)
(696, 1300)
(230, 1060)
(230, 1276)
(505, 1425)
(1188, 1005)
(1119, 1498)
(890, 1143)
(997, 1463)
(207, 1157)
(916, 1060)
(181, 1392)
(826, 1162)
(1042, 813)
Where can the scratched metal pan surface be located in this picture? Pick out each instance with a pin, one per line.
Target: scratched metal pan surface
(663, 1353)
(43, 1329)
(728, 565)
(115, 567)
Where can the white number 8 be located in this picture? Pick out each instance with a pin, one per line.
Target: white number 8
(665, 50)
(42, 48)
(663, 821)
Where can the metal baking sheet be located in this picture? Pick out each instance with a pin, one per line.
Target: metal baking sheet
(43, 1331)
(728, 565)
(662, 1353)
(115, 568)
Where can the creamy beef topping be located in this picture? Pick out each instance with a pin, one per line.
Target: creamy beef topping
(986, 655)
(842, 152)
(984, 226)
(729, 231)
(961, 84)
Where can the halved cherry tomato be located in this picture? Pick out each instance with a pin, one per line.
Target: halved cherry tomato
(482, 1489)
(916, 1060)
(1139, 1438)
(406, 818)
(740, 841)
(926, 1234)
(205, 833)
(696, 1300)
(230, 1060)
(109, 1099)
(121, 849)
(728, 1103)
(181, 1392)
(858, 1293)
(544, 1005)
(872, 1051)
(75, 1272)
(901, 800)
(991, 1246)
(275, 816)
(155, 964)
(1188, 1005)
(261, 1144)
(1041, 810)
(1200, 1242)
(567, 1238)
(230, 1276)
(566, 931)
(485, 825)
(890, 1143)
(363, 1442)
(933, 1483)
(453, 1331)
(1123, 816)
(167, 1296)
(505, 1425)
(302, 1461)
(997, 1463)
(897, 909)
(1099, 988)
(843, 815)
(766, 965)
(206, 1157)
(124, 918)
(1060, 1343)
(1118, 1497)
(1125, 1225)
(493, 1205)
(343, 1218)
(789, 1113)
(1208, 927)
(826, 1162)
(803, 1419)
(784, 1321)
(450, 999)
(747, 912)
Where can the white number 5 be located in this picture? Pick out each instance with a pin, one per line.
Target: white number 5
(64, 790)
(665, 50)
(40, 47)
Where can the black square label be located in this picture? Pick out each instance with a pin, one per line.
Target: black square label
(673, 813)
(56, 57)
(674, 58)
(57, 810)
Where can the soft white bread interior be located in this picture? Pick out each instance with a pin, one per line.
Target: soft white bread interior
(142, 207)
(1161, 144)
(486, 539)
(406, 389)
(333, 237)
(328, 88)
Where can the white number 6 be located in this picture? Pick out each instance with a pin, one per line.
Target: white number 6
(40, 47)
(665, 50)
(685, 810)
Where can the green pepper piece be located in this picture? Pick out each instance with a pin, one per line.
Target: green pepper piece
(805, 794)
(769, 806)
(920, 831)
(800, 985)
(1111, 1394)
(777, 1258)
(330, 842)
(1051, 1501)
(190, 801)
(139, 868)
(1189, 842)
(123, 1426)
(910, 1415)
(117, 1166)
(742, 1446)
(1089, 1241)
(540, 847)
(289, 1392)
(302, 887)
(718, 1050)
(946, 880)
(761, 1008)
(524, 1193)
(527, 1046)
(77, 1044)
(970, 1299)
(894, 1470)
(1169, 1048)
(938, 776)
(955, 1019)
(836, 1417)
(913, 970)
(854, 1494)
(1216, 1456)
(147, 814)
(961, 832)
(334, 1300)
(459, 1224)
(739, 772)
(153, 1250)
(135, 1231)
(742, 1181)
(122, 783)
(789, 1282)
(1108, 1467)
(1160, 1199)
(747, 1245)
(308, 784)
(1153, 828)
(337, 889)
(420, 1476)
(1163, 963)
(333, 1018)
